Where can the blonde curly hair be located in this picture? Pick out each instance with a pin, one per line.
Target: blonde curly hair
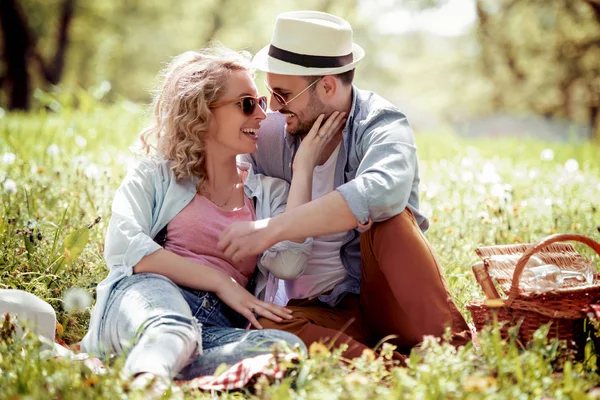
(181, 114)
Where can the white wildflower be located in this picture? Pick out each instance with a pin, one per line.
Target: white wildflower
(547, 155)
(502, 192)
(92, 171)
(80, 141)
(53, 150)
(10, 186)
(533, 173)
(571, 165)
(466, 162)
(8, 158)
(489, 174)
(80, 161)
(76, 299)
(2, 112)
(548, 201)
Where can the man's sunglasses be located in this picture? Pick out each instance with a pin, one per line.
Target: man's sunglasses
(246, 103)
(280, 98)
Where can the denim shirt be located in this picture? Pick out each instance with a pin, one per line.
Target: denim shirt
(149, 197)
(376, 172)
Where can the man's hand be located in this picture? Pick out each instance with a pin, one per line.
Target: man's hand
(243, 302)
(243, 239)
(309, 153)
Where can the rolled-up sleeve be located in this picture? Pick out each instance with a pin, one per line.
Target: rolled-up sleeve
(384, 179)
(286, 259)
(128, 237)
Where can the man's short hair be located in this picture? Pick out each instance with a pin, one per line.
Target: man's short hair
(346, 78)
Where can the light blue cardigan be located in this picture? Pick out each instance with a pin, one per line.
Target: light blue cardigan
(150, 197)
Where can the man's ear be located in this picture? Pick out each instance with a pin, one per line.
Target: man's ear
(329, 85)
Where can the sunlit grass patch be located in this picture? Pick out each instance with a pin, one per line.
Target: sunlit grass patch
(58, 174)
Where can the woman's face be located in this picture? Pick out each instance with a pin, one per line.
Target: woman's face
(231, 129)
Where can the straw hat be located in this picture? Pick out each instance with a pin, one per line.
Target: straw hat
(309, 43)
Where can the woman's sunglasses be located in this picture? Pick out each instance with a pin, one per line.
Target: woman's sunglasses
(246, 103)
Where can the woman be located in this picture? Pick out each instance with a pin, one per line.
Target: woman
(168, 281)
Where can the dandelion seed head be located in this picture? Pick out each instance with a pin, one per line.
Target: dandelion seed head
(488, 174)
(76, 299)
(10, 186)
(547, 155)
(92, 171)
(80, 141)
(8, 158)
(80, 161)
(467, 162)
(571, 165)
(53, 150)
(533, 173)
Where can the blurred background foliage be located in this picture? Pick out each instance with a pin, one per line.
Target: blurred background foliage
(521, 65)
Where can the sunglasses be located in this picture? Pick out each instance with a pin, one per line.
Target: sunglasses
(280, 98)
(246, 103)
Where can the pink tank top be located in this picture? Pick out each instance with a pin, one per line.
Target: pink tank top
(194, 234)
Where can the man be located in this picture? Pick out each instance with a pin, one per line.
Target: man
(385, 280)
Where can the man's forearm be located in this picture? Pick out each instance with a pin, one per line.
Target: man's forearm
(323, 216)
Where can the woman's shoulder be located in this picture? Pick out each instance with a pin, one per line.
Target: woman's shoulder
(151, 167)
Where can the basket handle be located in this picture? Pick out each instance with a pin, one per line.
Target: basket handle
(560, 237)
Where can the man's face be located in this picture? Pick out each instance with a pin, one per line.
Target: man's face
(302, 111)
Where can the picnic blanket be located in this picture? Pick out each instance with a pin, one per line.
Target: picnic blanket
(238, 376)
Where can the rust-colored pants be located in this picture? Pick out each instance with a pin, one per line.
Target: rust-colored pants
(402, 293)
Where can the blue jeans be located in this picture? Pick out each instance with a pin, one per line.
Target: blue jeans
(164, 329)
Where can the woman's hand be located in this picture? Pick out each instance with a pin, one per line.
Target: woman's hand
(243, 302)
(309, 153)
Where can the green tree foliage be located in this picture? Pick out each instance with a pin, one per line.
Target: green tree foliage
(542, 56)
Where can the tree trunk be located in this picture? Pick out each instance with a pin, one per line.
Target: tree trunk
(54, 72)
(17, 45)
(595, 122)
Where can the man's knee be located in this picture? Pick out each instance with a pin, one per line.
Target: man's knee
(280, 337)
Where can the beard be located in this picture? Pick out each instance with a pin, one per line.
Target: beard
(305, 119)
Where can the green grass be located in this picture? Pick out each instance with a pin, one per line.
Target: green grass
(476, 192)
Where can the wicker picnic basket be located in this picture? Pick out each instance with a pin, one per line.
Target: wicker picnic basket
(566, 307)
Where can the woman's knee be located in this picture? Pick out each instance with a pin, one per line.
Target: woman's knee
(182, 326)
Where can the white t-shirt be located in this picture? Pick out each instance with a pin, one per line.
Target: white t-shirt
(324, 268)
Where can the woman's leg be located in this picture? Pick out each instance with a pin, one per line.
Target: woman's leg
(223, 341)
(147, 316)
(231, 345)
